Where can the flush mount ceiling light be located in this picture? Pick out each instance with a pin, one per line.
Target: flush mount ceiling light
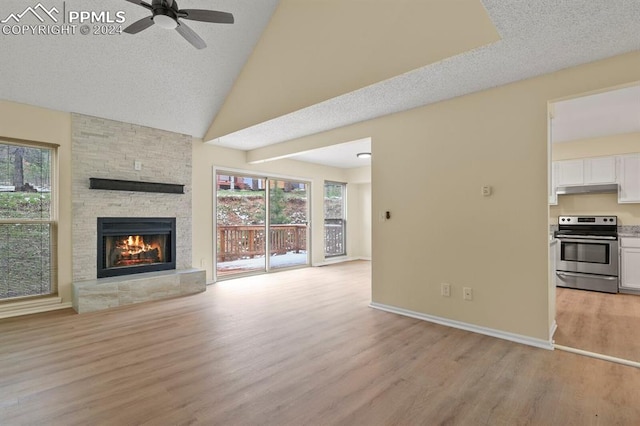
(363, 155)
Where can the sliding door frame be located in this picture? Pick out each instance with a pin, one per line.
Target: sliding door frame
(268, 177)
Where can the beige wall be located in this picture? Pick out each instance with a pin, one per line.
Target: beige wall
(206, 157)
(30, 123)
(359, 175)
(596, 204)
(442, 228)
(359, 219)
(626, 143)
(352, 55)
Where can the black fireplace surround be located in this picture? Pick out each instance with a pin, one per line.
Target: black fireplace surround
(129, 245)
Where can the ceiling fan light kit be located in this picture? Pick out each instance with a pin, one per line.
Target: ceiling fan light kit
(165, 21)
(166, 14)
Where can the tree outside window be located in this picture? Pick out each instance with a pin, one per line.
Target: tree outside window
(26, 223)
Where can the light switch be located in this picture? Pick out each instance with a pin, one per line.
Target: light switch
(137, 165)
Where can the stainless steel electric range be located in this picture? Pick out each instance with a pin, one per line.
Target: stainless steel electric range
(587, 258)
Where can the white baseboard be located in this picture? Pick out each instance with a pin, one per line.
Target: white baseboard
(37, 306)
(334, 260)
(599, 356)
(552, 330)
(341, 259)
(518, 338)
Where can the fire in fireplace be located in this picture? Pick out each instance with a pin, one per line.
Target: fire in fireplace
(133, 250)
(134, 245)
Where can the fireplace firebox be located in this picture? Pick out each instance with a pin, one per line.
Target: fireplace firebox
(134, 245)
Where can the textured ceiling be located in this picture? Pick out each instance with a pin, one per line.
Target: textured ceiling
(538, 37)
(154, 78)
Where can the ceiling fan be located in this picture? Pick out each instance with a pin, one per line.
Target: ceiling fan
(166, 14)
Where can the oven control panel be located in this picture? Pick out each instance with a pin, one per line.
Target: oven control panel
(588, 220)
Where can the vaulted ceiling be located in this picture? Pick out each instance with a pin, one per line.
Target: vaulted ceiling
(290, 68)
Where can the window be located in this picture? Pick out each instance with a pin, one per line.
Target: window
(335, 235)
(27, 226)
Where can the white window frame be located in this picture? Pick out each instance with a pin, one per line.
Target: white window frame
(52, 221)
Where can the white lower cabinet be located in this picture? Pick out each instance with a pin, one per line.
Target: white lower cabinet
(630, 264)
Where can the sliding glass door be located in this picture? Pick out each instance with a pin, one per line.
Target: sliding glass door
(246, 207)
(240, 224)
(288, 223)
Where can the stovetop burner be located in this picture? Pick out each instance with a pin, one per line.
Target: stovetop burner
(596, 227)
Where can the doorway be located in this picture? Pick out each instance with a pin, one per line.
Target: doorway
(253, 213)
(588, 134)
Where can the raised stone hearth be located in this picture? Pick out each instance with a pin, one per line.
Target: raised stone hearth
(104, 293)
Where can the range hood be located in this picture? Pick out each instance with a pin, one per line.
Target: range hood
(587, 189)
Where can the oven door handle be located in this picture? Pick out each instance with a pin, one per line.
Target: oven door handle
(585, 237)
(578, 275)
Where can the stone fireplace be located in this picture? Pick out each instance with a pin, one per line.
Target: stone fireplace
(132, 237)
(127, 245)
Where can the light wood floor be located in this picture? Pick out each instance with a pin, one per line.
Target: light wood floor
(604, 323)
(294, 348)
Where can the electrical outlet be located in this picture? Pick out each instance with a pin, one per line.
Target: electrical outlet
(467, 293)
(445, 290)
(137, 165)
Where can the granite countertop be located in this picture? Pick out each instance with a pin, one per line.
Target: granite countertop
(623, 230)
(629, 231)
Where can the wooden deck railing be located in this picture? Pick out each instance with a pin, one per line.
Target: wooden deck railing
(243, 242)
(334, 237)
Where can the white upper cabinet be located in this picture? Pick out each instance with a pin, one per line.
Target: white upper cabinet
(570, 172)
(629, 178)
(621, 169)
(586, 171)
(600, 170)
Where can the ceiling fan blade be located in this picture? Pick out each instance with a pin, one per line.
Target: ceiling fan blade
(140, 25)
(141, 3)
(190, 36)
(206, 16)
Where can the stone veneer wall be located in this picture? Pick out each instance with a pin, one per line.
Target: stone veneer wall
(107, 149)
